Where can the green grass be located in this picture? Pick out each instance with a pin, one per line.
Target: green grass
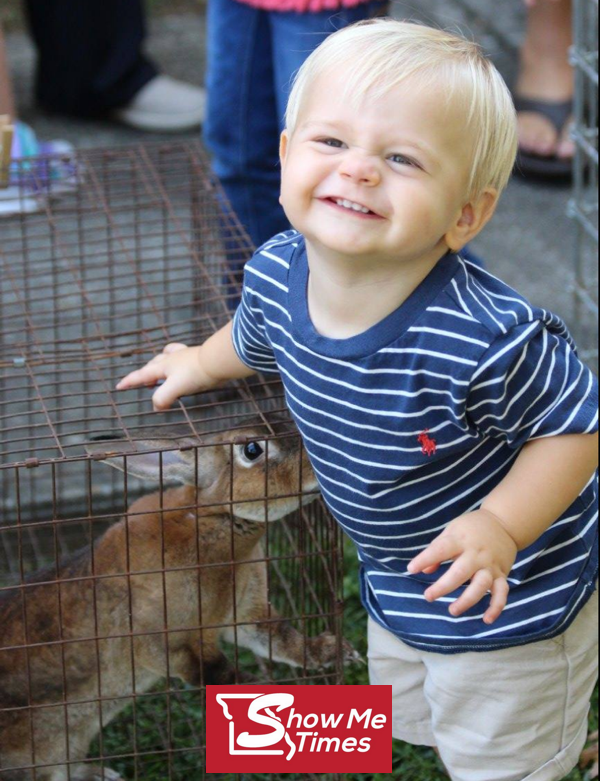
(175, 720)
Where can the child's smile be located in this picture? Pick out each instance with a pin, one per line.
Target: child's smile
(355, 209)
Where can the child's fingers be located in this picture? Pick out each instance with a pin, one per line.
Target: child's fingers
(152, 372)
(459, 573)
(500, 590)
(147, 376)
(166, 395)
(441, 549)
(480, 585)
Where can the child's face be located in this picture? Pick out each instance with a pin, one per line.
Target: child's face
(386, 180)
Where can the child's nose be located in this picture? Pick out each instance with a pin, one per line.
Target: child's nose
(360, 168)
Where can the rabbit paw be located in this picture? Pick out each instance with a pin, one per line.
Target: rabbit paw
(351, 655)
(322, 651)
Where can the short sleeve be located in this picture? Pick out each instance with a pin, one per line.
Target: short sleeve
(249, 335)
(530, 384)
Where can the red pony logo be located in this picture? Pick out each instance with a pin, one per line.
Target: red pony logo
(428, 445)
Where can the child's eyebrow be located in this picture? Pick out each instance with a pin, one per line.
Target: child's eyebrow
(321, 123)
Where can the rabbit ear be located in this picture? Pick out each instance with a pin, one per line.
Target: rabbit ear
(152, 459)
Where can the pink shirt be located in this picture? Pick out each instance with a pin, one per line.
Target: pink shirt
(303, 6)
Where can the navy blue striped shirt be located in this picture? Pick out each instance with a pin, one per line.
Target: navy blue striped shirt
(413, 423)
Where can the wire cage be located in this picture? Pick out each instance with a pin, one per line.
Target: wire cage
(124, 591)
(583, 207)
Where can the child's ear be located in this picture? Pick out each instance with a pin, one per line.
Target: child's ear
(472, 219)
(283, 146)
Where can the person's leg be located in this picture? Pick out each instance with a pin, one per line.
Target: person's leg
(7, 101)
(241, 127)
(90, 58)
(270, 48)
(296, 35)
(546, 75)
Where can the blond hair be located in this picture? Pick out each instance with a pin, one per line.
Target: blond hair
(379, 54)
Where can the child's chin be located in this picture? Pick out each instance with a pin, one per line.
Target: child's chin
(349, 239)
(347, 245)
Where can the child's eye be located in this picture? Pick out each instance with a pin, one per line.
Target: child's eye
(332, 142)
(403, 160)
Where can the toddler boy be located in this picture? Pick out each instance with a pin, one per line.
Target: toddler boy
(449, 421)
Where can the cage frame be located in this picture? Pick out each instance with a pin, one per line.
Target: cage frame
(44, 419)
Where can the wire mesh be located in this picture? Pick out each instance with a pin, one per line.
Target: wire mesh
(583, 207)
(121, 595)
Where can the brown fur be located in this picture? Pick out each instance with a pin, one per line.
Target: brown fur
(151, 600)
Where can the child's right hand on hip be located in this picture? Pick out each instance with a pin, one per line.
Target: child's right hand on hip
(179, 367)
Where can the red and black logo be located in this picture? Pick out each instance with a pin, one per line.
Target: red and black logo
(311, 729)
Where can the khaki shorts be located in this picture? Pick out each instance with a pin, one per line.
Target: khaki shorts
(518, 714)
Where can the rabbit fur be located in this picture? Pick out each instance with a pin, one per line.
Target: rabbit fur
(95, 624)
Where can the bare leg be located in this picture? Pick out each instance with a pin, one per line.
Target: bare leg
(7, 102)
(545, 74)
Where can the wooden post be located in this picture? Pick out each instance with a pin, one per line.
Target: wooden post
(6, 138)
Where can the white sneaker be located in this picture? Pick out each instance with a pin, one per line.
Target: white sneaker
(164, 105)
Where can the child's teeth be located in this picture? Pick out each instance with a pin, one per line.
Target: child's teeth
(350, 205)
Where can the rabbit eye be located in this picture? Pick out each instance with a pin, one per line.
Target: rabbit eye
(252, 451)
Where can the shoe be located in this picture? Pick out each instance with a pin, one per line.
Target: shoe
(38, 171)
(164, 105)
(540, 166)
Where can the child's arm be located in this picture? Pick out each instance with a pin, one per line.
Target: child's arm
(187, 370)
(544, 481)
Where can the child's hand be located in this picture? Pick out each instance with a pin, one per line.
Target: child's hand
(180, 368)
(483, 552)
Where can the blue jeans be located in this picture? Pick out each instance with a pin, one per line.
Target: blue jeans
(252, 56)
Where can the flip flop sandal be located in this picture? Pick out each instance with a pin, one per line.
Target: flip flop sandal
(545, 167)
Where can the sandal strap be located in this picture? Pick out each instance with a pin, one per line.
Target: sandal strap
(557, 112)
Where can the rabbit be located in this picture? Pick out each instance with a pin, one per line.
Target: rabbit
(98, 637)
